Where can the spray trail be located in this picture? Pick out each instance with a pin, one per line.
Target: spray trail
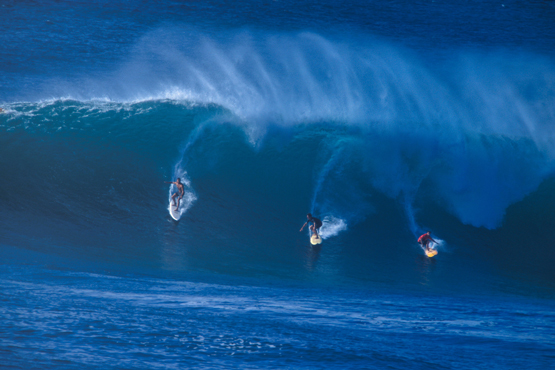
(179, 171)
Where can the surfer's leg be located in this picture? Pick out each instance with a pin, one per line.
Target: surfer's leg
(314, 230)
(173, 198)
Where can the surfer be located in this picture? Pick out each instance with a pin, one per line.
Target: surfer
(316, 224)
(180, 191)
(425, 240)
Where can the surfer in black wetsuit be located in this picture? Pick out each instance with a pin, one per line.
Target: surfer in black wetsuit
(316, 224)
(180, 191)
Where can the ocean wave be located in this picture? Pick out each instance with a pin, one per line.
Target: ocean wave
(470, 136)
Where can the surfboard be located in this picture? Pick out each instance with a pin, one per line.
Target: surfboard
(315, 240)
(174, 212)
(430, 253)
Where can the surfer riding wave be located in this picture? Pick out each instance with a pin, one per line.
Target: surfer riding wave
(425, 240)
(178, 194)
(316, 224)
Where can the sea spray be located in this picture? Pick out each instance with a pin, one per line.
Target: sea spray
(179, 171)
(475, 129)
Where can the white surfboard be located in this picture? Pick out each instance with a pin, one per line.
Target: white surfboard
(175, 213)
(315, 239)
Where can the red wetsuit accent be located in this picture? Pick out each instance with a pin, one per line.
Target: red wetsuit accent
(424, 239)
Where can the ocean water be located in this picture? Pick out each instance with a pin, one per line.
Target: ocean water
(384, 119)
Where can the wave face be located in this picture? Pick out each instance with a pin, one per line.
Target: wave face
(479, 130)
(275, 126)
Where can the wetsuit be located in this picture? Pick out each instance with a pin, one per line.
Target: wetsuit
(424, 240)
(317, 222)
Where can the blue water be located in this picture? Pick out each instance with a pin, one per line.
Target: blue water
(385, 119)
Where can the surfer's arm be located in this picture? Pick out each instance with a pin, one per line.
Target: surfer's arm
(303, 226)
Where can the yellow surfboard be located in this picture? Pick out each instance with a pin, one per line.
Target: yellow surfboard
(315, 239)
(430, 253)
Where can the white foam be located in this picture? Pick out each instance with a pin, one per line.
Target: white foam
(331, 226)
